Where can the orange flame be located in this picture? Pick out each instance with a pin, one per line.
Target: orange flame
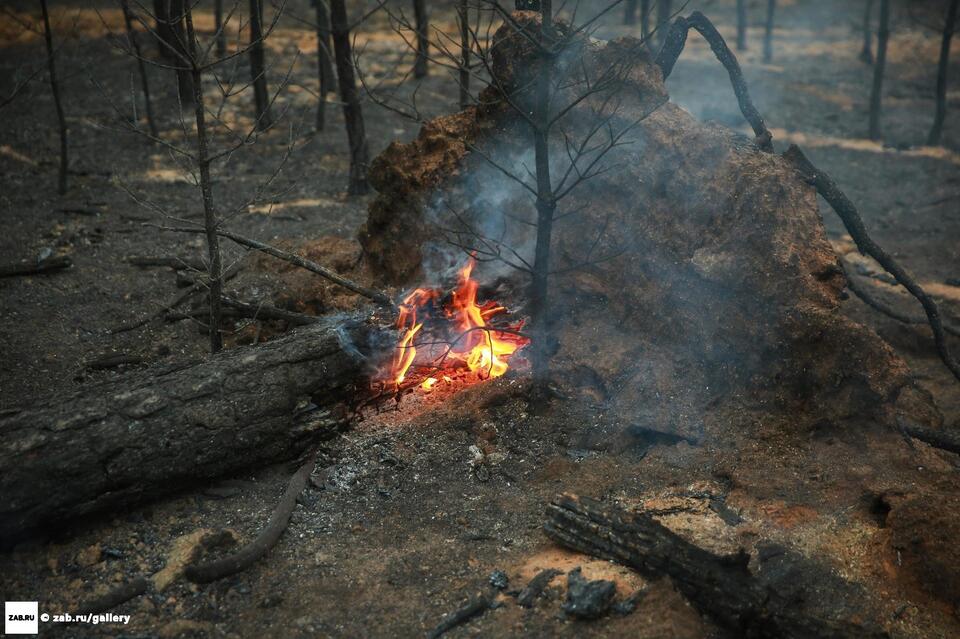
(483, 349)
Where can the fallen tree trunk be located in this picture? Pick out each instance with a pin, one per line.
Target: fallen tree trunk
(149, 434)
(721, 587)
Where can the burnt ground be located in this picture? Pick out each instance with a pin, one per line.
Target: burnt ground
(399, 527)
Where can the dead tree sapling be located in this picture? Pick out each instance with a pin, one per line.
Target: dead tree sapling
(172, 44)
(258, 71)
(741, 25)
(55, 89)
(876, 92)
(324, 60)
(352, 111)
(866, 52)
(768, 32)
(220, 26)
(423, 38)
(134, 44)
(463, 21)
(949, 25)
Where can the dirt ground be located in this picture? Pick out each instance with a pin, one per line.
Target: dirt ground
(398, 527)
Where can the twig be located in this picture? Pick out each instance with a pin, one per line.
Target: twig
(848, 213)
(113, 598)
(377, 296)
(476, 605)
(268, 537)
(889, 311)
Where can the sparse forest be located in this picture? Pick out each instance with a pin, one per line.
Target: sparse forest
(486, 318)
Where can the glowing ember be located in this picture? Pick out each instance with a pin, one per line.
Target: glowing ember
(442, 335)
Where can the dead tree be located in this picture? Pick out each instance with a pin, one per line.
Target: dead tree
(664, 12)
(645, 19)
(324, 60)
(352, 112)
(55, 89)
(171, 40)
(630, 12)
(423, 38)
(219, 24)
(541, 101)
(258, 71)
(866, 53)
(768, 32)
(876, 92)
(197, 151)
(741, 25)
(141, 65)
(941, 99)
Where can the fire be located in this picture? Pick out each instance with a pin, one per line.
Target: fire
(440, 335)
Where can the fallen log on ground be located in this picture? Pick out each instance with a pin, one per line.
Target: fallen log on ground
(721, 587)
(158, 431)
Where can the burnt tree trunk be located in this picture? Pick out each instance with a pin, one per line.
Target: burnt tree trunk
(55, 89)
(876, 93)
(546, 205)
(210, 221)
(141, 65)
(721, 587)
(152, 433)
(645, 19)
(630, 12)
(324, 61)
(664, 9)
(220, 27)
(258, 71)
(866, 53)
(352, 113)
(463, 18)
(423, 38)
(172, 43)
(768, 32)
(741, 25)
(942, 65)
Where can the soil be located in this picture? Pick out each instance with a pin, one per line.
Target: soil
(402, 523)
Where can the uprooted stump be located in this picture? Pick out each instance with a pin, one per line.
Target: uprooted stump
(152, 433)
(694, 269)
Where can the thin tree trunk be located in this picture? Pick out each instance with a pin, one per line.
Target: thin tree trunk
(210, 220)
(171, 41)
(352, 113)
(141, 65)
(423, 38)
(768, 33)
(741, 25)
(221, 28)
(664, 9)
(883, 34)
(941, 114)
(55, 88)
(258, 71)
(539, 288)
(630, 12)
(463, 16)
(866, 54)
(645, 18)
(324, 61)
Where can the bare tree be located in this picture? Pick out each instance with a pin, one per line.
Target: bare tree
(741, 25)
(768, 32)
(171, 43)
(463, 21)
(630, 12)
(141, 65)
(664, 11)
(220, 27)
(352, 112)
(876, 94)
(949, 25)
(542, 96)
(645, 19)
(258, 71)
(55, 89)
(423, 38)
(324, 60)
(866, 53)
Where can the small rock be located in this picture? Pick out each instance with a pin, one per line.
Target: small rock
(499, 580)
(588, 599)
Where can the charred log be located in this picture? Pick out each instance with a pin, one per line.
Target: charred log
(149, 434)
(721, 587)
